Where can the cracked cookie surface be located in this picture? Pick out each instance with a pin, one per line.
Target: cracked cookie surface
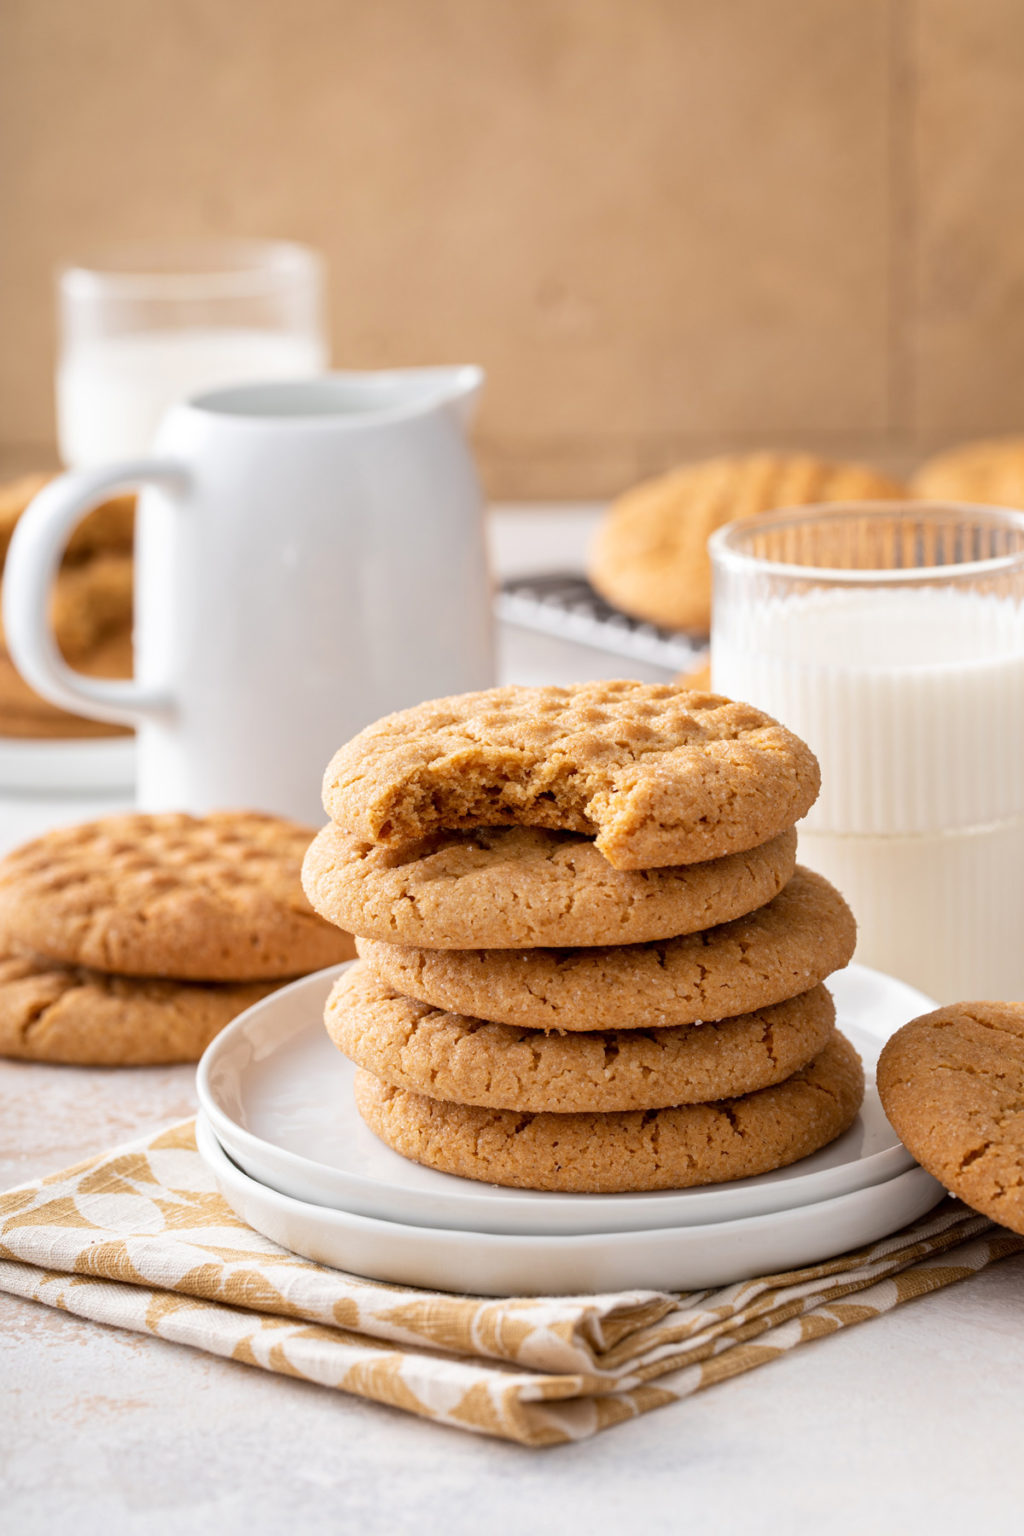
(196, 898)
(952, 1085)
(631, 1151)
(660, 775)
(83, 1018)
(519, 887)
(468, 1061)
(782, 949)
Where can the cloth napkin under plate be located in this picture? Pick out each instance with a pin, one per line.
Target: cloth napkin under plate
(139, 1237)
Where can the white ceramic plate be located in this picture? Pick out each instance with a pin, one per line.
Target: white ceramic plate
(43, 766)
(486, 1264)
(278, 1095)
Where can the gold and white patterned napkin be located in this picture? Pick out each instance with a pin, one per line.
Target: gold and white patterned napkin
(140, 1238)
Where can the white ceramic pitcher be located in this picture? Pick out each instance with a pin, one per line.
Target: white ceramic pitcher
(309, 555)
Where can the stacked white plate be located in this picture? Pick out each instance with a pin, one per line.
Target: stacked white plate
(291, 1156)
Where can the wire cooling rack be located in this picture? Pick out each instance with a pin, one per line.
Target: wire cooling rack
(565, 605)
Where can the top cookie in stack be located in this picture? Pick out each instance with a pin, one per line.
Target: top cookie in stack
(539, 874)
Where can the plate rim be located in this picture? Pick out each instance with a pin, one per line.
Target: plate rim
(500, 1242)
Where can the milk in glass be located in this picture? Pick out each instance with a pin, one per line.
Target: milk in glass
(113, 390)
(913, 700)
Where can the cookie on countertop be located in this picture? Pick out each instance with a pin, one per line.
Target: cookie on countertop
(990, 472)
(517, 887)
(952, 1084)
(468, 1061)
(631, 1151)
(782, 949)
(650, 556)
(196, 898)
(79, 1017)
(108, 526)
(660, 775)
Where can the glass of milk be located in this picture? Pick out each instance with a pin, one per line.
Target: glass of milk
(143, 326)
(891, 637)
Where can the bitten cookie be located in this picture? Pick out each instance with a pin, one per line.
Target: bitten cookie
(990, 471)
(207, 898)
(782, 949)
(952, 1084)
(517, 887)
(661, 776)
(80, 1017)
(468, 1061)
(650, 556)
(637, 1150)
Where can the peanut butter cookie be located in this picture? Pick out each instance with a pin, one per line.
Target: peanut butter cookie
(635, 1150)
(650, 556)
(468, 1061)
(196, 898)
(76, 1016)
(990, 472)
(110, 526)
(952, 1084)
(782, 949)
(661, 776)
(517, 887)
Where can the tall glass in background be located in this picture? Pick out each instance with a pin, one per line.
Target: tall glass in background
(146, 325)
(891, 637)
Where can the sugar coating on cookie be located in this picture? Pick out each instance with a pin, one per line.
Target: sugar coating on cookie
(659, 775)
(650, 554)
(631, 1151)
(952, 1084)
(208, 898)
(518, 887)
(782, 949)
(469, 1061)
(84, 1018)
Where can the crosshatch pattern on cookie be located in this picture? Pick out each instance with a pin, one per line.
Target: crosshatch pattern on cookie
(658, 775)
(214, 898)
(650, 555)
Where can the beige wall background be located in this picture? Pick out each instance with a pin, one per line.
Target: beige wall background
(666, 227)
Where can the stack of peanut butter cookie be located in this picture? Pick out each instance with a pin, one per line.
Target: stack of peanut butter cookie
(133, 940)
(91, 612)
(589, 961)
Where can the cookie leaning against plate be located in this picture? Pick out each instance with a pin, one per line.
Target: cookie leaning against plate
(517, 887)
(661, 776)
(650, 555)
(952, 1084)
(468, 1061)
(83, 1018)
(197, 898)
(636, 1150)
(782, 949)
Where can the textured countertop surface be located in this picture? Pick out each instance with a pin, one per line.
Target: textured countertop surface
(911, 1423)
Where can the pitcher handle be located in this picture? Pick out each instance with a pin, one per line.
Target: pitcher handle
(33, 560)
